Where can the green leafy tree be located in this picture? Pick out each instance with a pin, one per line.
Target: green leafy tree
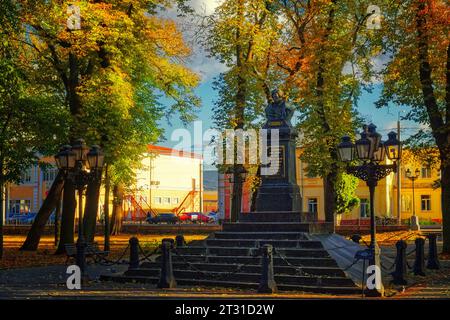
(31, 117)
(346, 199)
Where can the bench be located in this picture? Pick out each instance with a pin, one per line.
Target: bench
(91, 251)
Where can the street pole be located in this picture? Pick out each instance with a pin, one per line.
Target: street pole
(80, 259)
(399, 178)
(373, 238)
(414, 198)
(106, 211)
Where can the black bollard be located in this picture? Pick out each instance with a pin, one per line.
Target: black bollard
(356, 238)
(267, 282)
(433, 259)
(179, 240)
(134, 253)
(400, 264)
(169, 240)
(167, 279)
(419, 263)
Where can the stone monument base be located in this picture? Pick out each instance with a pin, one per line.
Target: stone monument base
(278, 197)
(278, 216)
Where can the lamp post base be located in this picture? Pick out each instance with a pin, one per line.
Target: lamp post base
(415, 226)
(375, 287)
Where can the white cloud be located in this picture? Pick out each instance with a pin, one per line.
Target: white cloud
(205, 7)
(199, 62)
(378, 63)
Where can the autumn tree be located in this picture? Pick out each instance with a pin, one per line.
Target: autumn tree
(105, 70)
(325, 65)
(240, 35)
(415, 36)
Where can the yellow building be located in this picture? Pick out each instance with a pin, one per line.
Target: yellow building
(168, 181)
(427, 200)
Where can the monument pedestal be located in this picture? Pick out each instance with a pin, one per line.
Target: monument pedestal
(279, 190)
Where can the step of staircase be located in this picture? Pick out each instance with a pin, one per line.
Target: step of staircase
(261, 235)
(267, 227)
(304, 261)
(306, 244)
(244, 277)
(225, 267)
(353, 290)
(249, 251)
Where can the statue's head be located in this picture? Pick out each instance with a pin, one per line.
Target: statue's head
(277, 95)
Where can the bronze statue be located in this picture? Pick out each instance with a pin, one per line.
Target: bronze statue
(277, 110)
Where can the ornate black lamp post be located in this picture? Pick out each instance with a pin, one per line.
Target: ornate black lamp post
(81, 166)
(370, 153)
(414, 219)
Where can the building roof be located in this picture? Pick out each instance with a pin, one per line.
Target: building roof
(172, 152)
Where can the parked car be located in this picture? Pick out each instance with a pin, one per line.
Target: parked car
(214, 216)
(169, 218)
(196, 217)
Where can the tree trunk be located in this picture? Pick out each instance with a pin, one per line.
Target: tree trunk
(116, 219)
(68, 217)
(330, 178)
(1, 217)
(439, 126)
(106, 208)
(91, 210)
(58, 219)
(329, 190)
(54, 195)
(241, 97)
(445, 189)
(236, 201)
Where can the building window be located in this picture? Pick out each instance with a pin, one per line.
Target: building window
(406, 203)
(425, 202)
(157, 200)
(26, 176)
(364, 208)
(50, 174)
(19, 206)
(312, 205)
(166, 200)
(175, 200)
(426, 172)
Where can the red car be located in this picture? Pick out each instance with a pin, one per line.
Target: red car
(195, 216)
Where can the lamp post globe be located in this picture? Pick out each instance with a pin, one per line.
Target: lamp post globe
(374, 137)
(363, 146)
(393, 147)
(346, 150)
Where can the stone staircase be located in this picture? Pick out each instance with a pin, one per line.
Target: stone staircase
(230, 258)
